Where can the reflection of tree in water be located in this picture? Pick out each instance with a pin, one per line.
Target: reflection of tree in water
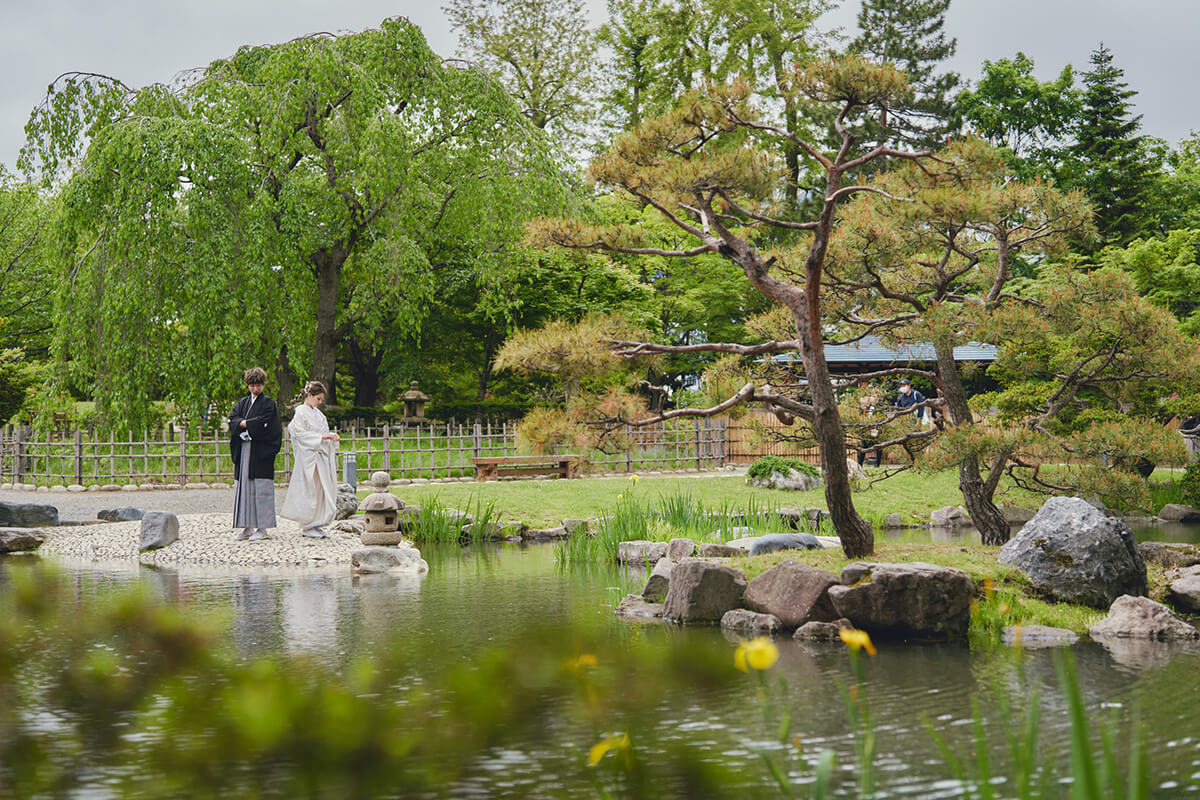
(255, 628)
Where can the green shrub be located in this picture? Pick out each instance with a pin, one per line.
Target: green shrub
(763, 467)
(1190, 484)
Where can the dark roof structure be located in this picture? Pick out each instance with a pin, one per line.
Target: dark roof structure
(869, 350)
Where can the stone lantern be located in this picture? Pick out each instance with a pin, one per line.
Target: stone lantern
(381, 510)
(414, 404)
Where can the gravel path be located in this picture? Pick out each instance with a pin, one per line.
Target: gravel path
(83, 506)
(203, 539)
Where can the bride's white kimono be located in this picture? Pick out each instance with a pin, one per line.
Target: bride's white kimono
(312, 492)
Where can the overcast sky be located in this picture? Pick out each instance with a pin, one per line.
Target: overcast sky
(143, 41)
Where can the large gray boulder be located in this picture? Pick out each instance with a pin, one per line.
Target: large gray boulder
(1032, 637)
(679, 549)
(16, 540)
(1075, 553)
(772, 542)
(795, 593)
(739, 620)
(159, 529)
(635, 606)
(949, 517)
(659, 581)
(346, 504)
(641, 551)
(368, 560)
(702, 592)
(905, 600)
(27, 515)
(1176, 512)
(1142, 618)
(714, 550)
(122, 514)
(792, 480)
(1184, 591)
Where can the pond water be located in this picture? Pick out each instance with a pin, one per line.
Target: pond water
(479, 597)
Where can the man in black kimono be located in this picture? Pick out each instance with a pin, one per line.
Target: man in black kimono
(255, 436)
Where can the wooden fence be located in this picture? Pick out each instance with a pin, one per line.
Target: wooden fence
(182, 456)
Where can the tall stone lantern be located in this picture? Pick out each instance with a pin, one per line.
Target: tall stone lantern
(414, 404)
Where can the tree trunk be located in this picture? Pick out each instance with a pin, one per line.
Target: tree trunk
(327, 264)
(285, 376)
(993, 529)
(858, 538)
(365, 365)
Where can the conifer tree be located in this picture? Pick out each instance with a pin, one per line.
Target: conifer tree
(1112, 163)
(909, 34)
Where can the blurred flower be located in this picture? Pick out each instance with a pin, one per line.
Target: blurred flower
(759, 653)
(857, 640)
(635, 477)
(577, 664)
(618, 742)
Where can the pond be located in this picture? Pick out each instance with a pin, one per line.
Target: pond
(482, 597)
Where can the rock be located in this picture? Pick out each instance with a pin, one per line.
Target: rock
(795, 593)
(905, 600)
(679, 549)
(793, 518)
(159, 529)
(822, 631)
(347, 504)
(27, 515)
(634, 606)
(1184, 591)
(701, 591)
(793, 481)
(749, 622)
(1170, 554)
(1141, 618)
(856, 471)
(641, 551)
(1037, 636)
(772, 542)
(76, 487)
(544, 533)
(131, 487)
(370, 560)
(16, 540)
(58, 487)
(1176, 512)
(743, 544)
(1016, 515)
(112, 487)
(1073, 552)
(893, 521)
(658, 582)
(122, 514)
(949, 517)
(197, 485)
(712, 550)
(458, 515)
(353, 527)
(573, 525)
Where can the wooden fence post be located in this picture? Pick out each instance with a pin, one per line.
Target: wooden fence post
(78, 456)
(387, 447)
(183, 476)
(19, 461)
(478, 440)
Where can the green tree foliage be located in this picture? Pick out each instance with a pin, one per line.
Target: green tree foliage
(26, 279)
(1115, 165)
(272, 205)
(542, 50)
(1176, 198)
(1166, 271)
(1030, 119)
(910, 35)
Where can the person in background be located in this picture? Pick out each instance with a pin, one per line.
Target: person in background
(311, 499)
(910, 397)
(255, 436)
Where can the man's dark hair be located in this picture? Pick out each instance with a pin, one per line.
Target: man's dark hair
(255, 376)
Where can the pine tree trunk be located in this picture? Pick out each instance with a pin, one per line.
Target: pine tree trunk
(993, 529)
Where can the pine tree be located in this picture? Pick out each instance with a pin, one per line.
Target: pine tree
(909, 35)
(1115, 165)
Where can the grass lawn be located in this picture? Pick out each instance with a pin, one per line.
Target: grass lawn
(546, 503)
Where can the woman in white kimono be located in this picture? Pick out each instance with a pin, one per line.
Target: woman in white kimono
(312, 492)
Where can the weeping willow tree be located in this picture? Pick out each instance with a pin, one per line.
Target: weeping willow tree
(270, 206)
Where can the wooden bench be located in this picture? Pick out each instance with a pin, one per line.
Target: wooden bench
(490, 469)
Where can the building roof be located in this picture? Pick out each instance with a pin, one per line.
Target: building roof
(869, 350)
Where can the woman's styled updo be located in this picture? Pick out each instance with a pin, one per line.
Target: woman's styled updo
(310, 389)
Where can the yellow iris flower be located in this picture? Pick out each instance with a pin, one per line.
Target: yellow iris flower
(759, 653)
(618, 742)
(857, 640)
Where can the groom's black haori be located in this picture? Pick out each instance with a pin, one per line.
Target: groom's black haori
(254, 459)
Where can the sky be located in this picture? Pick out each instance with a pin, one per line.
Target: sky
(147, 41)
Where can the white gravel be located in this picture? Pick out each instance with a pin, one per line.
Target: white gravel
(203, 539)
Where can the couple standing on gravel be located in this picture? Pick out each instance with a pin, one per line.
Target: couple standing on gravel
(255, 436)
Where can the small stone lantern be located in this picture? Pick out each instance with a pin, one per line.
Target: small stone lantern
(381, 510)
(414, 404)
